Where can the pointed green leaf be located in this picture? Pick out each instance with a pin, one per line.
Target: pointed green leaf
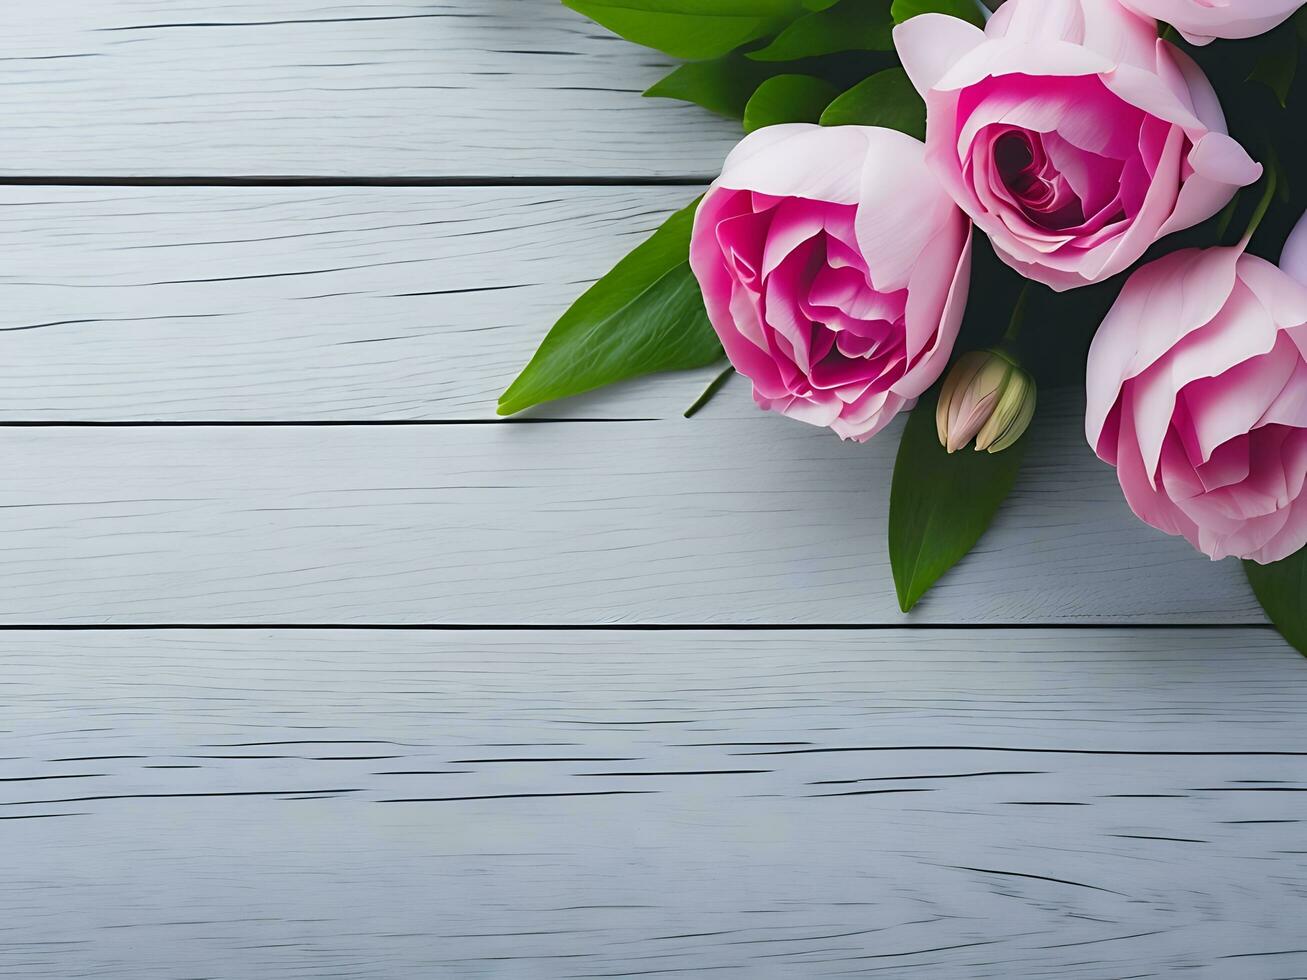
(722, 85)
(646, 315)
(1281, 588)
(1278, 65)
(969, 10)
(940, 505)
(886, 99)
(788, 99)
(693, 29)
(851, 25)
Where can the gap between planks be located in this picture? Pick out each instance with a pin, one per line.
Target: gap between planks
(627, 627)
(296, 180)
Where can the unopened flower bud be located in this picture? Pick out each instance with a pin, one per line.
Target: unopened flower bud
(986, 397)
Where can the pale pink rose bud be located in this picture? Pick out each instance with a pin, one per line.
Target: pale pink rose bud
(1200, 21)
(1197, 393)
(1070, 133)
(835, 270)
(986, 397)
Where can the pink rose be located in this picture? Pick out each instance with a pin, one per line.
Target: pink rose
(835, 271)
(1071, 134)
(1202, 20)
(1197, 392)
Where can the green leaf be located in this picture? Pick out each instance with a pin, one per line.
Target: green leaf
(646, 315)
(851, 25)
(886, 99)
(940, 505)
(1281, 588)
(968, 10)
(694, 29)
(788, 99)
(1277, 67)
(722, 85)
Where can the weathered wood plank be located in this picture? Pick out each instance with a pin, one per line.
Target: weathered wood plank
(255, 303)
(752, 521)
(1079, 804)
(364, 88)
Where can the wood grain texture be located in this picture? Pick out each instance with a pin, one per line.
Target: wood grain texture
(257, 303)
(781, 804)
(384, 88)
(752, 521)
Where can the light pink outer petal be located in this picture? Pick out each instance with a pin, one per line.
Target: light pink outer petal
(1220, 167)
(1149, 505)
(1200, 21)
(823, 163)
(860, 430)
(1059, 59)
(1202, 96)
(1102, 26)
(1160, 304)
(926, 308)
(901, 209)
(1277, 289)
(1293, 259)
(1291, 539)
(929, 44)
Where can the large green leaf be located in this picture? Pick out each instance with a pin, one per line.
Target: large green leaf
(646, 315)
(1281, 588)
(721, 85)
(886, 99)
(850, 25)
(788, 99)
(966, 9)
(940, 505)
(695, 29)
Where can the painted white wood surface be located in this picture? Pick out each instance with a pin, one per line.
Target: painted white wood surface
(371, 88)
(265, 303)
(961, 803)
(727, 521)
(1079, 804)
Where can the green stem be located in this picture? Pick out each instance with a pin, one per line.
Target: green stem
(712, 389)
(1264, 205)
(1018, 320)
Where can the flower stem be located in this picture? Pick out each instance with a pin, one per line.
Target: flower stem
(712, 389)
(1018, 320)
(1264, 205)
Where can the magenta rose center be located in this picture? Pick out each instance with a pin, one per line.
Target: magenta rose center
(830, 331)
(1061, 156)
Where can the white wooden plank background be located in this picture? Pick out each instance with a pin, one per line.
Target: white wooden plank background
(1050, 801)
(1080, 804)
(267, 303)
(751, 521)
(409, 88)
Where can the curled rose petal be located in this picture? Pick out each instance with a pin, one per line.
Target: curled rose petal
(835, 270)
(1201, 21)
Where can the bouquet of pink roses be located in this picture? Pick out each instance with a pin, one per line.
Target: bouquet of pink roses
(939, 206)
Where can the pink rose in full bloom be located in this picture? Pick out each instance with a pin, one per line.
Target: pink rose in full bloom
(835, 270)
(1070, 133)
(1197, 392)
(1202, 20)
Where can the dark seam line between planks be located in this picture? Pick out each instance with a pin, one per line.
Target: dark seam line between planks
(294, 423)
(627, 627)
(291, 180)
